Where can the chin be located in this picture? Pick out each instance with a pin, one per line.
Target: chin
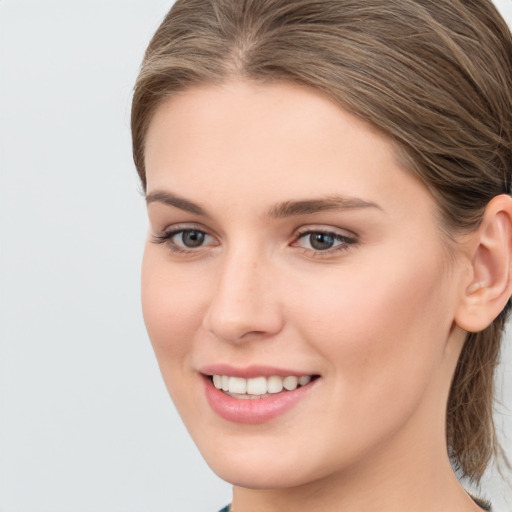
(271, 475)
(256, 464)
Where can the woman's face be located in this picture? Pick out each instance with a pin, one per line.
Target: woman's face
(287, 246)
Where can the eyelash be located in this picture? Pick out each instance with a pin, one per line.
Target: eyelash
(345, 241)
(344, 245)
(167, 236)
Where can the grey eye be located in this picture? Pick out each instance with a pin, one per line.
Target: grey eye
(192, 238)
(321, 241)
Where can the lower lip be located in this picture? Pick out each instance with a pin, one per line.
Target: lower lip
(253, 411)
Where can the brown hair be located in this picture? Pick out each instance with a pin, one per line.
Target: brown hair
(434, 76)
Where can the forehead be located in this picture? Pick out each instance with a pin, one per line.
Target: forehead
(240, 108)
(271, 141)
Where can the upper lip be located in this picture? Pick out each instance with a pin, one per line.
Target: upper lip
(248, 372)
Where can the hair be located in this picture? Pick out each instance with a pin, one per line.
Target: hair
(435, 76)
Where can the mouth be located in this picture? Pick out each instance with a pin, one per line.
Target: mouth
(259, 387)
(259, 396)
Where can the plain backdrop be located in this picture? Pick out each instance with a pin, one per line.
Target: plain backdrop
(85, 421)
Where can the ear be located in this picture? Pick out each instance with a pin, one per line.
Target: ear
(490, 282)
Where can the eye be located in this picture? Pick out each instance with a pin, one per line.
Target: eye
(184, 240)
(191, 238)
(323, 241)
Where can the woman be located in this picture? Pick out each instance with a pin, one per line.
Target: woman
(328, 267)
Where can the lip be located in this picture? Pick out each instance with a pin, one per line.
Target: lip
(255, 411)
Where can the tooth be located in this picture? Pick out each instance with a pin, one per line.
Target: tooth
(217, 381)
(237, 385)
(275, 384)
(305, 379)
(257, 386)
(225, 383)
(290, 382)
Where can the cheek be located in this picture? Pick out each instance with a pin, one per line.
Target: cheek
(391, 323)
(172, 306)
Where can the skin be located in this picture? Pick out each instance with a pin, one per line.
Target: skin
(376, 319)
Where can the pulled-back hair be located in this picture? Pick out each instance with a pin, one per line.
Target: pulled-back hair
(435, 76)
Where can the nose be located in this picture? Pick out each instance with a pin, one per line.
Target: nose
(244, 304)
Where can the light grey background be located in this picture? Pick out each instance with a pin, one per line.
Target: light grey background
(85, 421)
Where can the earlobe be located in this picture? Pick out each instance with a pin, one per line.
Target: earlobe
(490, 285)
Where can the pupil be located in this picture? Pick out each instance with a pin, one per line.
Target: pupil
(321, 241)
(192, 238)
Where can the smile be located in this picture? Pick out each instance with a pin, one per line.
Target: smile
(258, 387)
(257, 398)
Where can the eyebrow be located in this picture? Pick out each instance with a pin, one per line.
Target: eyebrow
(169, 199)
(278, 211)
(323, 204)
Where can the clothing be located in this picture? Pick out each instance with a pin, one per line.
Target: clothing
(485, 505)
(227, 508)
